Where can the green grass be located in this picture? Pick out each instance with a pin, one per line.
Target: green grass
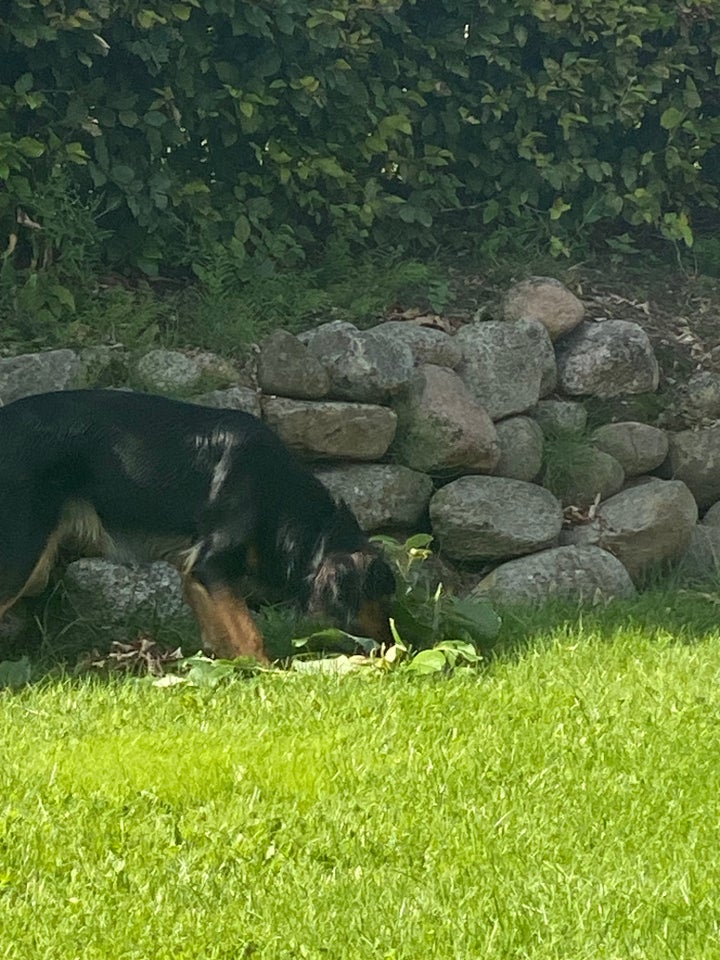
(564, 802)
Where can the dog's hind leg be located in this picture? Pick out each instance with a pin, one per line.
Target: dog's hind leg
(28, 547)
(226, 625)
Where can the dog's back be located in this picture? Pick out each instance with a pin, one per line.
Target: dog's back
(142, 461)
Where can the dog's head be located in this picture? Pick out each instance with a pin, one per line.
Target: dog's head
(354, 591)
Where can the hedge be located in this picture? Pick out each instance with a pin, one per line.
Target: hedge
(153, 130)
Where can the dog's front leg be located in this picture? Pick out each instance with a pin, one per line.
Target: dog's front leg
(226, 626)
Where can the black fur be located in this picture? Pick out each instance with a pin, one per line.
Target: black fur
(218, 481)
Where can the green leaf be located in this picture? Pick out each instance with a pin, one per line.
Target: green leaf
(399, 642)
(475, 616)
(334, 666)
(331, 634)
(330, 167)
(30, 147)
(671, 118)
(428, 661)
(24, 83)
(242, 228)
(148, 18)
(558, 208)
(209, 673)
(491, 211)
(153, 118)
(395, 122)
(64, 296)
(123, 174)
(691, 97)
(419, 541)
(455, 650)
(521, 34)
(76, 152)
(423, 216)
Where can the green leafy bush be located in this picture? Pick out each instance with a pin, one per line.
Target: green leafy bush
(266, 127)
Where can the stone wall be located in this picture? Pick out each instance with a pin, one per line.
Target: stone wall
(419, 429)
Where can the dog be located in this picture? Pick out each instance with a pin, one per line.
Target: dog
(214, 491)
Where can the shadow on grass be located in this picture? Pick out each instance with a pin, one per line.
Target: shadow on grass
(689, 615)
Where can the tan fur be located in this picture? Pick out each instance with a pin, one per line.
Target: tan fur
(226, 626)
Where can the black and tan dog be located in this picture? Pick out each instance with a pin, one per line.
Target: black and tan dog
(214, 491)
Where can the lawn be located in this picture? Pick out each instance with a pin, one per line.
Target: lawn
(561, 802)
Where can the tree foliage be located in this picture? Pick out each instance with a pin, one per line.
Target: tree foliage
(269, 125)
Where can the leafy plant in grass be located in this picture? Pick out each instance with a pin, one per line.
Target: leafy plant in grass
(424, 613)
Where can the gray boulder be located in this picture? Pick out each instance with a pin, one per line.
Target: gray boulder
(486, 517)
(427, 345)
(701, 561)
(712, 516)
(441, 429)
(521, 448)
(694, 458)
(118, 602)
(168, 371)
(638, 447)
(232, 398)
(507, 366)
(380, 495)
(700, 397)
(286, 367)
(544, 299)
(31, 373)
(548, 368)
(217, 372)
(567, 573)
(325, 430)
(16, 626)
(606, 359)
(363, 365)
(644, 525)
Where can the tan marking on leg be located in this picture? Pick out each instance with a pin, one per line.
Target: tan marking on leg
(6, 606)
(226, 625)
(38, 579)
(78, 525)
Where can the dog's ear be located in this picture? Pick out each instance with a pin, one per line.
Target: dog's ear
(345, 582)
(336, 590)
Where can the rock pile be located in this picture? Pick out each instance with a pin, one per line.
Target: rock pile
(416, 428)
